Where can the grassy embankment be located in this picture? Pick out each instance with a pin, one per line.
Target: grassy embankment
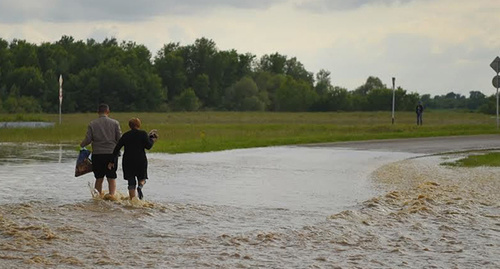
(211, 131)
(487, 159)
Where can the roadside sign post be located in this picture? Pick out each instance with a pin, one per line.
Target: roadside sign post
(393, 97)
(496, 80)
(496, 84)
(60, 98)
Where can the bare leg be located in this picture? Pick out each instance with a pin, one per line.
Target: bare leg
(98, 185)
(139, 188)
(131, 193)
(112, 186)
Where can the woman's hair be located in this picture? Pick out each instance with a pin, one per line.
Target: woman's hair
(134, 123)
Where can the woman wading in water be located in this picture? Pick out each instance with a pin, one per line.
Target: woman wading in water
(135, 163)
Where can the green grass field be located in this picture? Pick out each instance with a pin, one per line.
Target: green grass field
(485, 159)
(212, 131)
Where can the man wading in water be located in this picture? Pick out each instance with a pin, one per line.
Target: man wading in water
(103, 133)
(135, 163)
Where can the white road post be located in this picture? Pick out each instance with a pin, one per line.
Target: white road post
(393, 97)
(60, 98)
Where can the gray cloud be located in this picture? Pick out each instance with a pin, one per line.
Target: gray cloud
(343, 5)
(13, 11)
(415, 63)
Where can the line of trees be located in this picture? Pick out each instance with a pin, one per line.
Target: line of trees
(186, 78)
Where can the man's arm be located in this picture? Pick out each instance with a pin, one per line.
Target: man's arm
(88, 137)
(118, 132)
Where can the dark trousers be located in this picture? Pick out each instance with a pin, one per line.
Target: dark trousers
(419, 119)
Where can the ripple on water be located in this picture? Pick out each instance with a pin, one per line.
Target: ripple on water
(428, 217)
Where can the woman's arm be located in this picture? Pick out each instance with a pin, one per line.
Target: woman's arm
(118, 146)
(148, 141)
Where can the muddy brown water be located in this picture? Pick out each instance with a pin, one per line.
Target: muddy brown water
(281, 207)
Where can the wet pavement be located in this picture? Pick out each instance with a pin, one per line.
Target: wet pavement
(427, 145)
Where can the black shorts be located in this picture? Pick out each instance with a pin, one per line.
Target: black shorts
(100, 165)
(135, 170)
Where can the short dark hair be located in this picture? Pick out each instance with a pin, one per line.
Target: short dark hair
(102, 108)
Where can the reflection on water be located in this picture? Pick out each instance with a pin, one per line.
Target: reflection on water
(259, 208)
(26, 124)
(29, 153)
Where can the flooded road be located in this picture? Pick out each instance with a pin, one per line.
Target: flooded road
(278, 207)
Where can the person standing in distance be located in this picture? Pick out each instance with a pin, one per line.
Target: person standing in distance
(419, 110)
(104, 134)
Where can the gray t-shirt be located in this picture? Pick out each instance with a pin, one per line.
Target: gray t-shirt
(103, 133)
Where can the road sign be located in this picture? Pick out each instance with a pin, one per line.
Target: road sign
(496, 64)
(496, 81)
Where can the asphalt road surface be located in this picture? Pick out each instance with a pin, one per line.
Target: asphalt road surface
(427, 145)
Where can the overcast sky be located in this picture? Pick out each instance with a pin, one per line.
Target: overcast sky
(430, 46)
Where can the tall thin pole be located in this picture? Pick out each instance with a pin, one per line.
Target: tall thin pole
(496, 85)
(60, 98)
(393, 97)
(498, 68)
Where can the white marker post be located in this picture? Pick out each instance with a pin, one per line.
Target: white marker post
(60, 98)
(393, 97)
(496, 80)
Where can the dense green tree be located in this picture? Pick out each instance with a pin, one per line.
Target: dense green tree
(296, 70)
(169, 65)
(16, 103)
(295, 95)
(269, 83)
(371, 83)
(49, 100)
(244, 96)
(24, 54)
(450, 100)
(426, 99)
(334, 99)
(379, 99)
(201, 87)
(359, 102)
(186, 101)
(200, 55)
(490, 107)
(28, 79)
(274, 63)
(476, 99)
(5, 62)
(245, 62)
(323, 82)
(406, 101)
(188, 77)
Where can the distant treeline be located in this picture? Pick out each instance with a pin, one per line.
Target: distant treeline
(186, 78)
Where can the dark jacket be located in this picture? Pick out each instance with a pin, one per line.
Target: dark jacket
(134, 141)
(419, 109)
